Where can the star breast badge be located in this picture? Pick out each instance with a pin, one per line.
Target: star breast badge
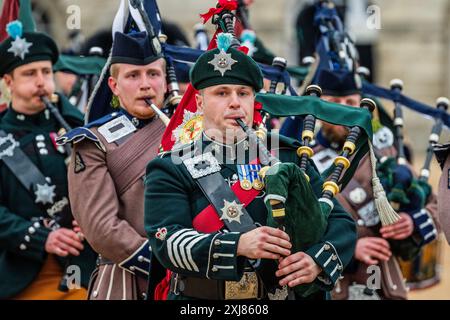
(45, 193)
(232, 211)
(20, 47)
(222, 62)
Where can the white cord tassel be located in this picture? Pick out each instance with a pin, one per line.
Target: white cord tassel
(388, 216)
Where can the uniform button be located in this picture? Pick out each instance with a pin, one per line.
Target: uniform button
(132, 268)
(215, 256)
(20, 117)
(23, 247)
(326, 247)
(41, 144)
(40, 137)
(140, 258)
(214, 269)
(43, 152)
(217, 242)
(360, 222)
(37, 225)
(27, 238)
(339, 267)
(95, 294)
(31, 230)
(144, 295)
(334, 257)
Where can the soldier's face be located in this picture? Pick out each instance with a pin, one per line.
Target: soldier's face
(132, 84)
(221, 106)
(28, 83)
(334, 132)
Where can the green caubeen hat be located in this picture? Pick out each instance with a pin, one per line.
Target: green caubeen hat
(21, 48)
(225, 65)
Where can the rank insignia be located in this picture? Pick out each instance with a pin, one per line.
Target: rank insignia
(249, 177)
(232, 211)
(222, 62)
(79, 163)
(161, 233)
(45, 193)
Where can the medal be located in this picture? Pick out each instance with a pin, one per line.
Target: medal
(246, 184)
(258, 185)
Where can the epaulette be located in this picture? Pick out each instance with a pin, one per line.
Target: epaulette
(78, 134)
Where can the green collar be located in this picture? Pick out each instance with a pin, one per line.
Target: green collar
(41, 121)
(238, 152)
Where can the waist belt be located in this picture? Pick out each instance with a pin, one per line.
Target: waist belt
(249, 287)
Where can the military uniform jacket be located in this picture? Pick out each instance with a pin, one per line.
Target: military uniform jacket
(23, 232)
(173, 199)
(357, 199)
(106, 190)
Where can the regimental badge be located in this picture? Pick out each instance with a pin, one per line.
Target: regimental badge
(231, 211)
(202, 165)
(161, 233)
(222, 62)
(248, 176)
(189, 130)
(279, 294)
(383, 138)
(20, 47)
(45, 193)
(358, 195)
(116, 129)
(7, 146)
(79, 163)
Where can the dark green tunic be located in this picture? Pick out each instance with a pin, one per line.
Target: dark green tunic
(22, 232)
(173, 199)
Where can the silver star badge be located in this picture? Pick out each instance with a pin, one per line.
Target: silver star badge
(232, 211)
(44, 193)
(222, 62)
(19, 47)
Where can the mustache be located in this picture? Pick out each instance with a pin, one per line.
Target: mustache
(41, 93)
(234, 115)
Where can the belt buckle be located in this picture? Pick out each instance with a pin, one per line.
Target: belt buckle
(246, 288)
